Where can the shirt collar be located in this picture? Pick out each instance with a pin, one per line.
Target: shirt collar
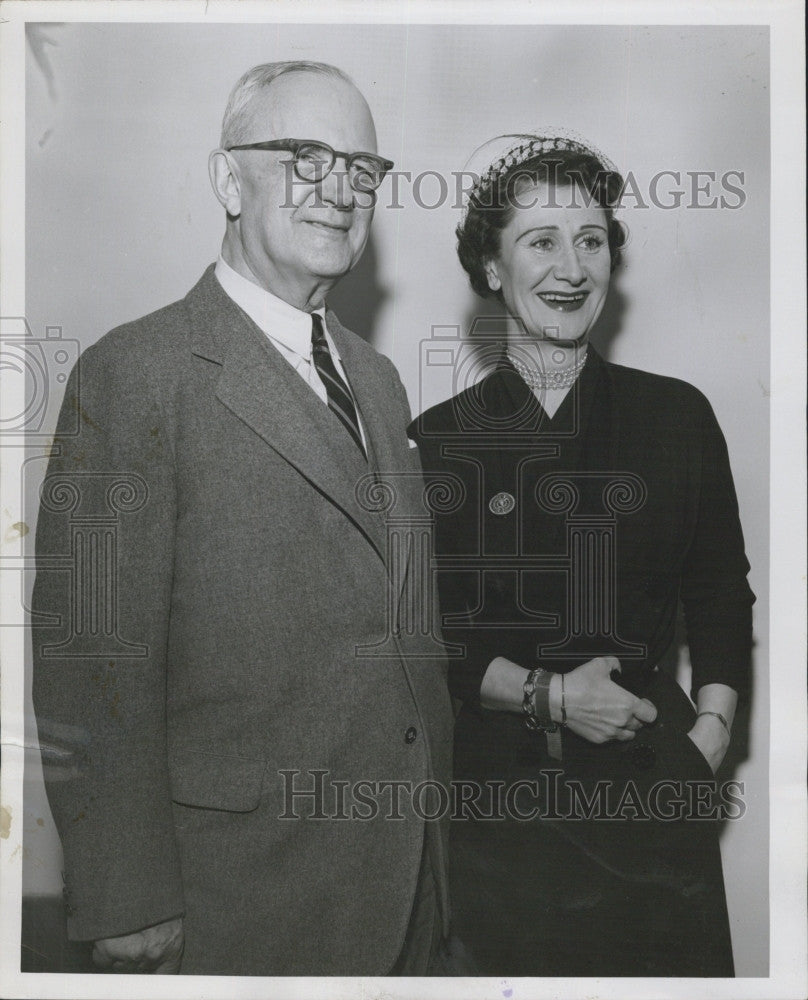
(277, 319)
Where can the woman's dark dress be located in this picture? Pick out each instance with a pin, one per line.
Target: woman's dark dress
(566, 539)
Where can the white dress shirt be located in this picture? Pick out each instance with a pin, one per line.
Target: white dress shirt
(288, 329)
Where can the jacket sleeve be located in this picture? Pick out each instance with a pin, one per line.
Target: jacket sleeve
(104, 549)
(716, 597)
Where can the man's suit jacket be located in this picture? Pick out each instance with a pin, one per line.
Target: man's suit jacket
(240, 573)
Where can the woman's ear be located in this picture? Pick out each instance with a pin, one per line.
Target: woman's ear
(492, 275)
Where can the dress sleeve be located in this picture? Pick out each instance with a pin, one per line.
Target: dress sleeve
(475, 648)
(715, 593)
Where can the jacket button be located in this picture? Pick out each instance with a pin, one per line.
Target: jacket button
(411, 735)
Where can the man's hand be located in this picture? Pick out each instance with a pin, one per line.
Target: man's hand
(156, 949)
(598, 709)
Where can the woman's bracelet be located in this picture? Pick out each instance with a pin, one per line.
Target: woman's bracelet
(720, 718)
(536, 701)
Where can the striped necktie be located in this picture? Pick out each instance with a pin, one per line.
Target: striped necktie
(340, 401)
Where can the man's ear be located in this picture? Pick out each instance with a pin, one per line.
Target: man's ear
(492, 274)
(225, 181)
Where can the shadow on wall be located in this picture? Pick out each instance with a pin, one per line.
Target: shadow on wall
(358, 298)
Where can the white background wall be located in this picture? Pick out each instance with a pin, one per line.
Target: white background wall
(120, 220)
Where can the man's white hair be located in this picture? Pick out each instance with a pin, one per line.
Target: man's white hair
(237, 115)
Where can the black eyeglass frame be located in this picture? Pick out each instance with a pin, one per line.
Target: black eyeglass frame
(295, 145)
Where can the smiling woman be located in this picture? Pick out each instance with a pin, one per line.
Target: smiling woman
(593, 498)
(541, 236)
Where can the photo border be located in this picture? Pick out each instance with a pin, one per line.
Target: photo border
(788, 969)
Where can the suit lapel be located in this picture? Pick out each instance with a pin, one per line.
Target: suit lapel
(261, 389)
(372, 399)
(388, 451)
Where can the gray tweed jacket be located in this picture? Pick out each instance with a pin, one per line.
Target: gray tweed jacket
(242, 648)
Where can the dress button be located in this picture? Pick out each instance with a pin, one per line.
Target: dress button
(502, 503)
(411, 735)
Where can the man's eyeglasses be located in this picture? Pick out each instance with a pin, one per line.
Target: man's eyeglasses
(313, 161)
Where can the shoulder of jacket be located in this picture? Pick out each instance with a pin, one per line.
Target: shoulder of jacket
(641, 389)
(366, 353)
(429, 427)
(150, 347)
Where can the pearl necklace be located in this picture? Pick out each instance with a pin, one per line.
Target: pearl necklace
(535, 379)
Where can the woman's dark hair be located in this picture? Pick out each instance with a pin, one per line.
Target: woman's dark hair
(491, 206)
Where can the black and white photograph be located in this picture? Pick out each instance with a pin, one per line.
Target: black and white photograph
(403, 500)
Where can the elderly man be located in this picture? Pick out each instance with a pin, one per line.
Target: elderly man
(233, 721)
